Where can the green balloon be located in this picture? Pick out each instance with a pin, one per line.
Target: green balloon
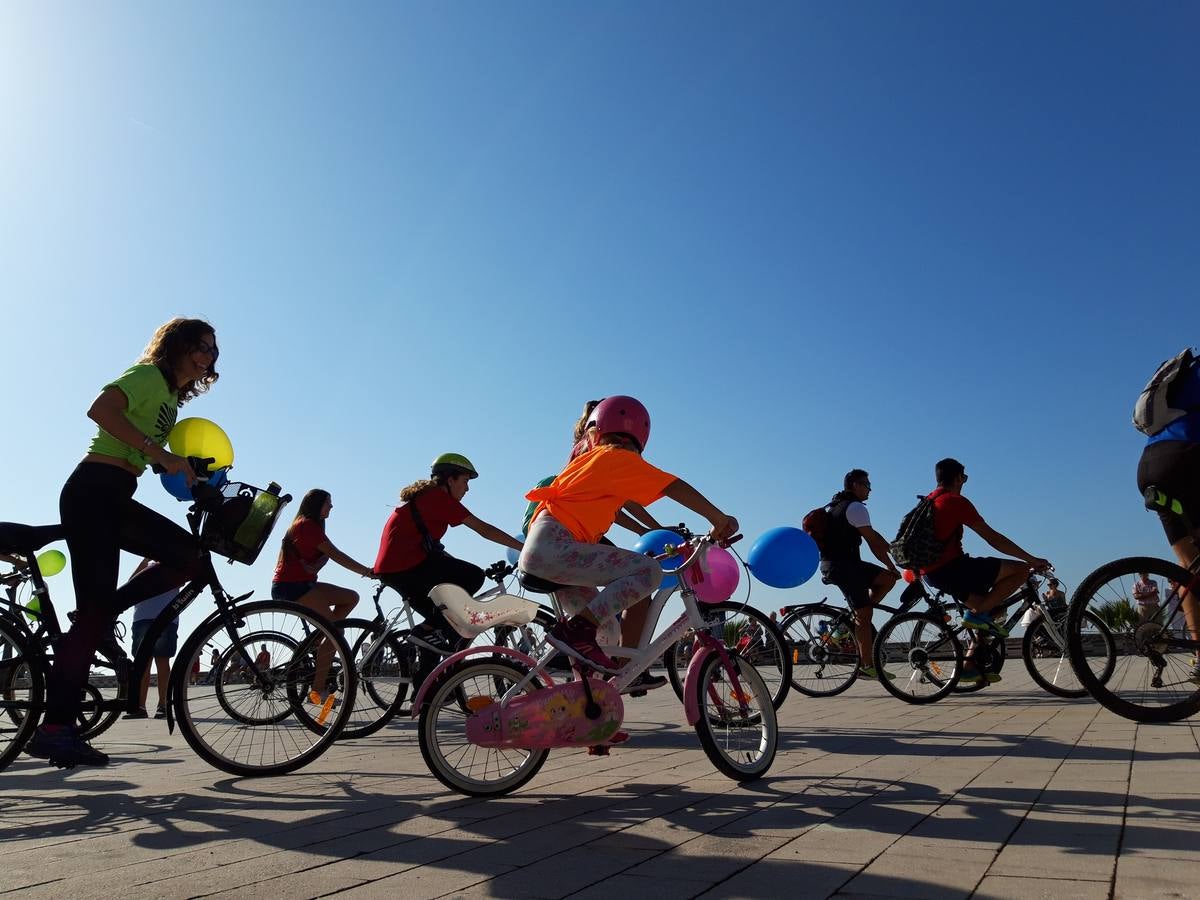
(51, 562)
(33, 609)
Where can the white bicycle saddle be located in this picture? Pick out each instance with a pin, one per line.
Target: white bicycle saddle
(471, 617)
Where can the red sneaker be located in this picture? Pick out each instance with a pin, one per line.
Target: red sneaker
(576, 637)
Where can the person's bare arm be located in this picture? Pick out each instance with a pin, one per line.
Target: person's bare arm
(629, 523)
(108, 411)
(346, 562)
(1004, 545)
(492, 533)
(879, 547)
(723, 526)
(641, 515)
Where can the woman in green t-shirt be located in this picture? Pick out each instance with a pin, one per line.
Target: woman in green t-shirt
(135, 414)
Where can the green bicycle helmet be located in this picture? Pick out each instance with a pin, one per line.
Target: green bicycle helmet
(452, 464)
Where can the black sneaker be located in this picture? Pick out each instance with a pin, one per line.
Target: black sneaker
(643, 683)
(436, 639)
(161, 712)
(64, 748)
(139, 713)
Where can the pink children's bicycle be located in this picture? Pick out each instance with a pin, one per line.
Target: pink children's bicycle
(489, 716)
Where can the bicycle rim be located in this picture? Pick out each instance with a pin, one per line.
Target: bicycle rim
(260, 723)
(918, 658)
(454, 760)
(22, 694)
(737, 726)
(1048, 659)
(1151, 677)
(824, 654)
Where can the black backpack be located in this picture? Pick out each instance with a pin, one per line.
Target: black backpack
(916, 546)
(833, 535)
(1153, 411)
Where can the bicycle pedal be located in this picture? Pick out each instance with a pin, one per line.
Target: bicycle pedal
(598, 750)
(326, 708)
(59, 764)
(637, 693)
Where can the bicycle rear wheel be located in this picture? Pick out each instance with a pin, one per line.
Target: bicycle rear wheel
(257, 726)
(823, 652)
(1044, 649)
(1154, 676)
(737, 728)
(22, 693)
(918, 658)
(747, 632)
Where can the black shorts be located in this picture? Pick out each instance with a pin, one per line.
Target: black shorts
(853, 577)
(966, 575)
(291, 591)
(1174, 468)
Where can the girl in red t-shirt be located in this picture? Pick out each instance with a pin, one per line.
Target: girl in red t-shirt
(411, 558)
(304, 551)
(580, 505)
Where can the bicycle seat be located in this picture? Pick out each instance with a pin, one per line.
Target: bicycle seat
(471, 617)
(537, 585)
(27, 539)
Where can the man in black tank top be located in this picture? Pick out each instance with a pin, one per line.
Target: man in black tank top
(863, 584)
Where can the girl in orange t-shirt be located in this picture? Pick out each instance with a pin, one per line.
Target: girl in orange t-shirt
(576, 510)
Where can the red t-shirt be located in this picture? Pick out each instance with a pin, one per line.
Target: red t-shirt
(950, 513)
(400, 545)
(302, 560)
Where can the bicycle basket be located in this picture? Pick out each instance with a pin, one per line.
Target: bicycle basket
(238, 527)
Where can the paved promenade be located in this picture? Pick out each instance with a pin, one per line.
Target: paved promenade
(1006, 793)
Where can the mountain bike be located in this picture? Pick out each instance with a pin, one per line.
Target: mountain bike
(487, 725)
(248, 724)
(1155, 677)
(106, 679)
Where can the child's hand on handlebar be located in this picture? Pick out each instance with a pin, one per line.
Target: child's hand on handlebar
(174, 465)
(723, 529)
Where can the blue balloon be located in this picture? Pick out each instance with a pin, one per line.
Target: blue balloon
(512, 555)
(655, 542)
(219, 478)
(176, 486)
(783, 557)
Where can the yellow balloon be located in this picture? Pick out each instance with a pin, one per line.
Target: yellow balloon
(201, 438)
(51, 562)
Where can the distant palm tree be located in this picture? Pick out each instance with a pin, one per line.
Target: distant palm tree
(1119, 614)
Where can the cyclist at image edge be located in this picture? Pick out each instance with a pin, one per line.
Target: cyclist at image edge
(863, 584)
(134, 414)
(575, 511)
(1170, 461)
(980, 583)
(412, 560)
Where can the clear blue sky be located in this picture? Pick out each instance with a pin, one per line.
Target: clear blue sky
(809, 236)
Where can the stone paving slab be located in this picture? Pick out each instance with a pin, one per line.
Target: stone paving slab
(1005, 793)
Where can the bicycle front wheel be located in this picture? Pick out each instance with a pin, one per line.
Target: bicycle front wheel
(255, 725)
(737, 726)
(918, 658)
(1044, 649)
(22, 693)
(748, 633)
(1153, 676)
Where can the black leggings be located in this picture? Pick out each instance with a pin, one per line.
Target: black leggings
(101, 519)
(1173, 467)
(439, 568)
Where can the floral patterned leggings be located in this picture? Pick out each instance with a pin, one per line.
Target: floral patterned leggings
(552, 552)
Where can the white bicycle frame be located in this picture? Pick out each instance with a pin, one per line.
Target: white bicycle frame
(647, 651)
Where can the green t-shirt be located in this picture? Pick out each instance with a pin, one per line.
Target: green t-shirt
(533, 505)
(152, 408)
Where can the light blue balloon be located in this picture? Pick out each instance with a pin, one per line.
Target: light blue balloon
(655, 542)
(512, 555)
(784, 557)
(176, 486)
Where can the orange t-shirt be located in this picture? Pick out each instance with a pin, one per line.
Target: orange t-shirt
(588, 493)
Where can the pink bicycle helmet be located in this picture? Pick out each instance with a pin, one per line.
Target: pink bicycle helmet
(622, 415)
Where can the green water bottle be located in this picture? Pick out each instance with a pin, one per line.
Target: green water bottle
(250, 532)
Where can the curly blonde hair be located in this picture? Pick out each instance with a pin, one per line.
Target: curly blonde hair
(581, 425)
(420, 487)
(172, 340)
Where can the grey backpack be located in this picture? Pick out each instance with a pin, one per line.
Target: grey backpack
(916, 546)
(1153, 411)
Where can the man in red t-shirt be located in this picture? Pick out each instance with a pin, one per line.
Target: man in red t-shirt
(981, 583)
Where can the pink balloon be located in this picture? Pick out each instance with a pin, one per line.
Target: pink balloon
(720, 581)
